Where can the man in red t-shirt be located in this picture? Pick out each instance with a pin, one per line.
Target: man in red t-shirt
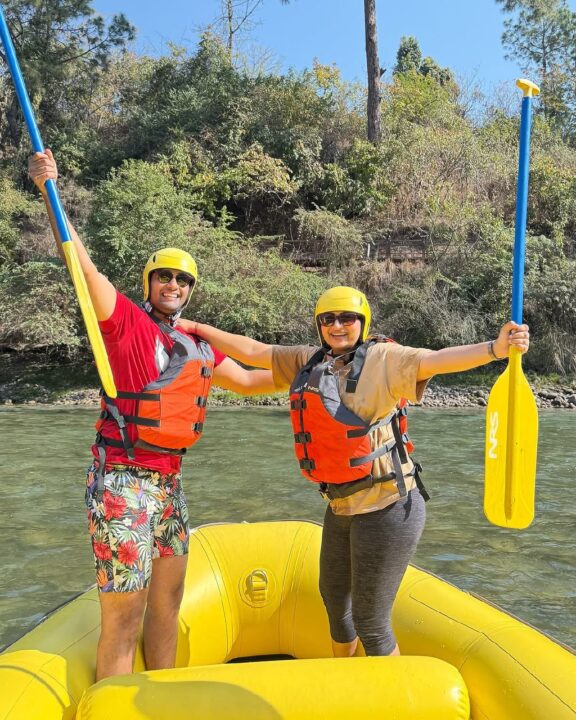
(137, 510)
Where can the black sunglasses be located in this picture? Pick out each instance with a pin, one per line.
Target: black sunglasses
(183, 279)
(346, 318)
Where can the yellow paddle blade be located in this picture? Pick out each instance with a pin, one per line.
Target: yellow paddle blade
(511, 446)
(94, 334)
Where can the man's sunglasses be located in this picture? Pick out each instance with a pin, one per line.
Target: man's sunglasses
(183, 279)
(346, 318)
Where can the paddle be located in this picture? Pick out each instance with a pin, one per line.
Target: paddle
(61, 230)
(511, 414)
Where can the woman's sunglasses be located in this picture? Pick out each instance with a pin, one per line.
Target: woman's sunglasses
(183, 279)
(346, 318)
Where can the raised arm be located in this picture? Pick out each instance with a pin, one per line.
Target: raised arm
(247, 351)
(42, 167)
(231, 376)
(466, 357)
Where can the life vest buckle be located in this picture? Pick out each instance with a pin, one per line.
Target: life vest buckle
(307, 464)
(205, 371)
(198, 427)
(351, 384)
(201, 401)
(302, 437)
(298, 404)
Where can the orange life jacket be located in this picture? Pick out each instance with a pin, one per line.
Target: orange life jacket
(171, 409)
(333, 444)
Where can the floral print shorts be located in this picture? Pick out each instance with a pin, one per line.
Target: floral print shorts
(141, 515)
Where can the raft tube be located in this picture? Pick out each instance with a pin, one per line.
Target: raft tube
(252, 592)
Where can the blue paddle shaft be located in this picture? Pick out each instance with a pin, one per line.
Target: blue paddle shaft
(521, 210)
(37, 145)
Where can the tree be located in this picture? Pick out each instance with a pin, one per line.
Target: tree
(409, 56)
(374, 72)
(541, 34)
(237, 16)
(62, 46)
(409, 59)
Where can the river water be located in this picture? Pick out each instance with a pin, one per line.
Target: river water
(243, 469)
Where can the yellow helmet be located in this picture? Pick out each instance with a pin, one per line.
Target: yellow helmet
(344, 299)
(169, 258)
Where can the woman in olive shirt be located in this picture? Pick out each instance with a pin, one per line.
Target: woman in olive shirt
(343, 392)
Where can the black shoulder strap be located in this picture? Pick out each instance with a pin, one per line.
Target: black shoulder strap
(314, 360)
(358, 365)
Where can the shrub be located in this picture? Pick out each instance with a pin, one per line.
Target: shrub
(246, 291)
(328, 238)
(39, 308)
(14, 205)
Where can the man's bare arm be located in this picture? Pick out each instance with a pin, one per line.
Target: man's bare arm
(41, 167)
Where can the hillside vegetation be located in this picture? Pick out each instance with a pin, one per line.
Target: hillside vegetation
(269, 182)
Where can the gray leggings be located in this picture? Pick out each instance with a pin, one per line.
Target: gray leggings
(362, 561)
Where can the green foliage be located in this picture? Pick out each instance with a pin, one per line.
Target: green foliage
(409, 55)
(13, 205)
(409, 60)
(39, 308)
(419, 99)
(552, 207)
(327, 237)
(160, 101)
(193, 171)
(550, 307)
(421, 309)
(189, 150)
(442, 75)
(136, 211)
(540, 35)
(481, 270)
(63, 47)
(259, 183)
(358, 185)
(244, 290)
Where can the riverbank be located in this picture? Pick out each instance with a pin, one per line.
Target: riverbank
(38, 380)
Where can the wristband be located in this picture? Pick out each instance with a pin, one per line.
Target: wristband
(491, 350)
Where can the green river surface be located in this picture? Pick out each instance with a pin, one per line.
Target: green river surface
(243, 469)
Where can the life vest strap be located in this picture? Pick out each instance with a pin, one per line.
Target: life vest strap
(125, 395)
(134, 419)
(102, 443)
(397, 462)
(333, 491)
(359, 432)
(101, 472)
(302, 437)
(419, 483)
(143, 445)
(357, 366)
(113, 412)
(341, 490)
(382, 450)
(399, 439)
(149, 422)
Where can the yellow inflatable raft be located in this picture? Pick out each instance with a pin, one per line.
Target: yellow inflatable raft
(252, 595)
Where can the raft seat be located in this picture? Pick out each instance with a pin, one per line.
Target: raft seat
(253, 594)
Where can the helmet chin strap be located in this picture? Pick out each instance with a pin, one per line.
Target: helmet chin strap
(149, 308)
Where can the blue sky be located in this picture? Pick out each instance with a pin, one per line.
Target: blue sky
(461, 34)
